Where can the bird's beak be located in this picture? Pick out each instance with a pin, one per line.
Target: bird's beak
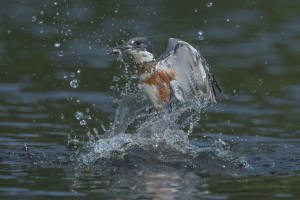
(120, 49)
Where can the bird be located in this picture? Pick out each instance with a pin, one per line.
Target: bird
(181, 73)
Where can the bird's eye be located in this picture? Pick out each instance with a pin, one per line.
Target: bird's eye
(137, 42)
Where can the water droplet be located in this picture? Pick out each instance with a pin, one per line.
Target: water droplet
(25, 147)
(55, 3)
(61, 53)
(65, 77)
(78, 115)
(95, 130)
(209, 4)
(196, 10)
(78, 71)
(227, 19)
(74, 83)
(62, 116)
(116, 10)
(200, 35)
(72, 74)
(57, 44)
(273, 164)
(83, 122)
(33, 18)
(116, 79)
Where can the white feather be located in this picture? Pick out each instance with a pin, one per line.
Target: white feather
(142, 56)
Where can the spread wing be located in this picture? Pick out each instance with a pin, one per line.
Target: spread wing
(193, 77)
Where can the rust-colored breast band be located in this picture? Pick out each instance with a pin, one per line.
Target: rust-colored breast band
(164, 94)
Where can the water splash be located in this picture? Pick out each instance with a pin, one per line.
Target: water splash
(137, 125)
(83, 122)
(78, 115)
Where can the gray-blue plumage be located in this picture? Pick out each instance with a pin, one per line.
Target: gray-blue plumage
(187, 75)
(192, 71)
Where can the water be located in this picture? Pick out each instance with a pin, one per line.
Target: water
(200, 35)
(87, 140)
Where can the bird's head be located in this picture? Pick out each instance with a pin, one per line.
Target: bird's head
(139, 47)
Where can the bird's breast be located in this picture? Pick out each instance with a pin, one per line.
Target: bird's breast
(158, 85)
(156, 77)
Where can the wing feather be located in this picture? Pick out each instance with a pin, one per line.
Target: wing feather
(193, 77)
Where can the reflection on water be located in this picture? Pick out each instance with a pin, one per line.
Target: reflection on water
(57, 82)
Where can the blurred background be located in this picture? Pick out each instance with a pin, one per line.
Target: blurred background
(57, 81)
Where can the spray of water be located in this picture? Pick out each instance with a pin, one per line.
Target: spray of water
(137, 125)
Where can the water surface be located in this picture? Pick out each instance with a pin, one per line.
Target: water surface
(60, 92)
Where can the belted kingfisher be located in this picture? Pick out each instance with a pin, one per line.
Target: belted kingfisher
(181, 72)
